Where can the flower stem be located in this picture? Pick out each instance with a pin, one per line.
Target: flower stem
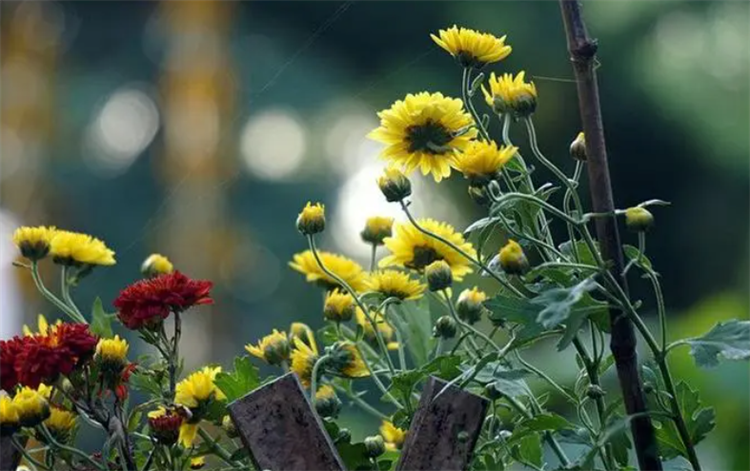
(556, 448)
(314, 379)
(65, 290)
(51, 297)
(373, 257)
(217, 449)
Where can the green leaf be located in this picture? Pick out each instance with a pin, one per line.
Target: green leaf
(239, 454)
(618, 439)
(520, 311)
(143, 380)
(101, 322)
(529, 450)
(586, 307)
(480, 224)
(241, 381)
(699, 421)
(632, 254)
(354, 455)
(730, 340)
(557, 303)
(585, 256)
(546, 421)
(414, 321)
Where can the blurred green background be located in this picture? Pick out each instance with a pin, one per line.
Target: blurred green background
(198, 130)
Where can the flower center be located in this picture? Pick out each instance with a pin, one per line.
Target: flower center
(423, 256)
(430, 137)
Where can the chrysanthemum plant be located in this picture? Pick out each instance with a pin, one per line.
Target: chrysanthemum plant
(389, 327)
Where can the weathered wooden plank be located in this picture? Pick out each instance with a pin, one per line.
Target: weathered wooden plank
(281, 431)
(444, 429)
(9, 456)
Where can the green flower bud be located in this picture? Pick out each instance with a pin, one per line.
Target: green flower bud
(445, 327)
(439, 275)
(228, 426)
(394, 185)
(312, 219)
(375, 446)
(638, 219)
(578, 148)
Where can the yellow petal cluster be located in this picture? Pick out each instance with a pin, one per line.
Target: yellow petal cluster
(384, 328)
(338, 306)
(395, 284)
(422, 131)
(74, 248)
(472, 48)
(156, 264)
(312, 219)
(348, 270)
(394, 437)
(198, 387)
(482, 161)
(412, 249)
(114, 350)
(273, 348)
(509, 93)
(34, 242)
(303, 360)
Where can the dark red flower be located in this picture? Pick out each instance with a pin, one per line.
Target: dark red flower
(165, 428)
(41, 360)
(147, 302)
(78, 339)
(9, 350)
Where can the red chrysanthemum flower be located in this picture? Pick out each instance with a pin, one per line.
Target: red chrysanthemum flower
(41, 360)
(78, 339)
(147, 302)
(9, 350)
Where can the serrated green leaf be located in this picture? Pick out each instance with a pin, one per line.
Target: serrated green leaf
(557, 303)
(585, 308)
(101, 322)
(517, 310)
(480, 224)
(239, 382)
(618, 439)
(543, 422)
(730, 340)
(354, 455)
(699, 421)
(585, 256)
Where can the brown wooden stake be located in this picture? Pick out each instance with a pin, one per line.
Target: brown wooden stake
(582, 51)
(444, 430)
(281, 431)
(9, 456)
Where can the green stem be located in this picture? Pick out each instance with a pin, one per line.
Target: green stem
(217, 449)
(65, 290)
(453, 246)
(314, 379)
(373, 257)
(546, 378)
(365, 311)
(469, 327)
(465, 90)
(74, 451)
(27, 456)
(51, 297)
(541, 203)
(361, 403)
(174, 354)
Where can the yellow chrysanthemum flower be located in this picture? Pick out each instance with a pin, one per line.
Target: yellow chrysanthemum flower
(481, 161)
(385, 329)
(114, 350)
(9, 420)
(273, 348)
(197, 462)
(73, 248)
(347, 361)
(512, 258)
(394, 437)
(34, 242)
(412, 249)
(472, 48)
(338, 306)
(325, 392)
(198, 387)
(508, 93)
(376, 229)
(31, 405)
(301, 331)
(348, 270)
(422, 131)
(60, 422)
(156, 264)
(42, 326)
(469, 306)
(303, 360)
(395, 284)
(312, 219)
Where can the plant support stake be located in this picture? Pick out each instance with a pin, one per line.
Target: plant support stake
(582, 51)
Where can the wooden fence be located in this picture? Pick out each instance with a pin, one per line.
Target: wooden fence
(282, 432)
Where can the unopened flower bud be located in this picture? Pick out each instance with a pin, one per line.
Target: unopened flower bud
(326, 402)
(492, 392)
(376, 229)
(338, 306)
(156, 265)
(595, 391)
(439, 276)
(394, 185)
(479, 195)
(344, 436)
(227, 424)
(578, 148)
(375, 446)
(312, 219)
(445, 327)
(32, 407)
(112, 355)
(512, 259)
(469, 306)
(638, 219)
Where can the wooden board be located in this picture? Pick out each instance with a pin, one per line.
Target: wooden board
(444, 430)
(280, 429)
